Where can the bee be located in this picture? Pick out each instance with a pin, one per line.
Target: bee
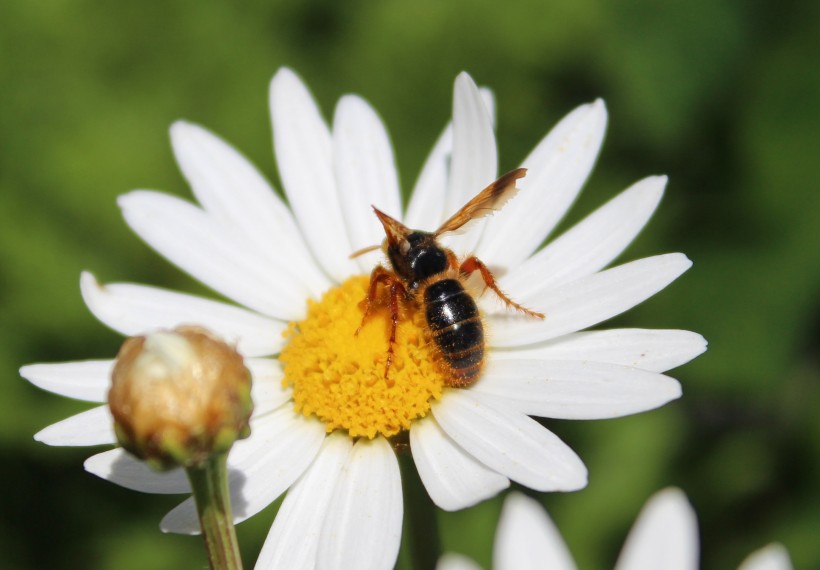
(431, 276)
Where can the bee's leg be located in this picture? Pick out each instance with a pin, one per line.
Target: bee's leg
(452, 260)
(473, 263)
(378, 275)
(396, 291)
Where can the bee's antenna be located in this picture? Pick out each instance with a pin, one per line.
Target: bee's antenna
(364, 250)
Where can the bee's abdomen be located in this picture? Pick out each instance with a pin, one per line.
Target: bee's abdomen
(455, 325)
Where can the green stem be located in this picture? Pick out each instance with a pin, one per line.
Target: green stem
(213, 503)
(421, 531)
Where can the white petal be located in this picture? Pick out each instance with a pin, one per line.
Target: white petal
(133, 309)
(304, 153)
(527, 539)
(212, 253)
(575, 390)
(293, 540)
(93, 427)
(453, 561)
(122, 468)
(425, 211)
(664, 536)
(366, 174)
(233, 191)
(281, 446)
(488, 97)
(509, 442)
(592, 244)
(84, 380)
(452, 477)
(474, 162)
(772, 557)
(363, 525)
(587, 301)
(267, 391)
(556, 171)
(653, 350)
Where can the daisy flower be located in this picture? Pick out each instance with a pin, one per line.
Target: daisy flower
(664, 536)
(325, 420)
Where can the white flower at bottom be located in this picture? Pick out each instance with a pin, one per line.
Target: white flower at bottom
(325, 434)
(665, 536)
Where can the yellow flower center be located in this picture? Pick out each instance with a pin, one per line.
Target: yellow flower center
(339, 376)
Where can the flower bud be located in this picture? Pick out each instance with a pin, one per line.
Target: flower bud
(179, 396)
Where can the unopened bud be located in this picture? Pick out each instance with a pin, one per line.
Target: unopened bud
(179, 396)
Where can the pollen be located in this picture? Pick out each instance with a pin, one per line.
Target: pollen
(338, 376)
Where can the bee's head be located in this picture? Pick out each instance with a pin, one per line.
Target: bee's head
(414, 254)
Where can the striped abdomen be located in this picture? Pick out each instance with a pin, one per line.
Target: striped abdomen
(455, 325)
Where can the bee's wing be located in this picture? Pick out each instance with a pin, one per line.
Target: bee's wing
(492, 198)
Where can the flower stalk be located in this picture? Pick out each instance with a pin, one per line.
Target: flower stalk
(421, 534)
(209, 482)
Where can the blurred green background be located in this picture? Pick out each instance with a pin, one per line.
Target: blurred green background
(723, 96)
